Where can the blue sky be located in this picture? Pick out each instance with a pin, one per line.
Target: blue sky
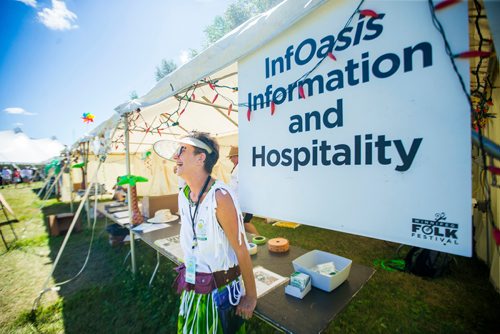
(60, 59)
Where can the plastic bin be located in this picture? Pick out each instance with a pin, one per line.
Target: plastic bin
(311, 259)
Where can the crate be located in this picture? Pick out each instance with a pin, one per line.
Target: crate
(61, 222)
(311, 259)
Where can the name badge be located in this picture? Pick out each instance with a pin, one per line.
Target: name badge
(191, 270)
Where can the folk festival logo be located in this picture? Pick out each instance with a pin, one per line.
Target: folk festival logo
(437, 230)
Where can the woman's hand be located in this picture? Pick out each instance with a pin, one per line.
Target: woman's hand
(246, 306)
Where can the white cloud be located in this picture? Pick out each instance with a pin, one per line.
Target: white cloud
(31, 3)
(18, 124)
(18, 111)
(184, 56)
(58, 17)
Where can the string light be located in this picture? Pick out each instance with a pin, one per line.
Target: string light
(472, 54)
(446, 3)
(173, 118)
(369, 13)
(301, 92)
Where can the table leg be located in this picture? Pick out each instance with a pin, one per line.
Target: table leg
(126, 257)
(156, 268)
(132, 251)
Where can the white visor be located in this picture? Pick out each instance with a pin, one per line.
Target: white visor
(168, 148)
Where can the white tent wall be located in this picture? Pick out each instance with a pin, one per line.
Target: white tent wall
(486, 248)
(159, 172)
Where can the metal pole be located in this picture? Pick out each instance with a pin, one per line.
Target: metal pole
(490, 147)
(86, 169)
(87, 208)
(68, 162)
(127, 165)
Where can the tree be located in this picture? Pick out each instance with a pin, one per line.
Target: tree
(192, 53)
(133, 95)
(236, 14)
(166, 67)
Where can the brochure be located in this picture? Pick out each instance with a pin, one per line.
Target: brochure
(172, 245)
(123, 221)
(266, 280)
(121, 214)
(148, 227)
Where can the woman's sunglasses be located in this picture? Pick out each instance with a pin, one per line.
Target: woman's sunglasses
(179, 151)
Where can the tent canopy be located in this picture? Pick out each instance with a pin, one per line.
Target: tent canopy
(21, 149)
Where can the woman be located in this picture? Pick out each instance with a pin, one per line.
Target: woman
(214, 244)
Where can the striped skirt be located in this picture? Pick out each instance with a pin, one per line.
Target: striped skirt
(198, 314)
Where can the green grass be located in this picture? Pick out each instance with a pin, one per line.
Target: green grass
(107, 298)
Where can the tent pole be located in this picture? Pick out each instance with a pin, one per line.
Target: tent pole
(87, 208)
(47, 180)
(127, 166)
(49, 191)
(68, 161)
(86, 147)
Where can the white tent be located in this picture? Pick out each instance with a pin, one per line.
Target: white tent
(21, 149)
(166, 111)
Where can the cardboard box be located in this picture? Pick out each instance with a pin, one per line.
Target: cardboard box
(327, 283)
(296, 292)
(151, 204)
(60, 223)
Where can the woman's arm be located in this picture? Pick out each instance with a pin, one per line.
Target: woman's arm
(228, 220)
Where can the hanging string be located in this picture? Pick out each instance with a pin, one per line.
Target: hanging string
(172, 118)
(480, 93)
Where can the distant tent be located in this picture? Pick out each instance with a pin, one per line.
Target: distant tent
(17, 147)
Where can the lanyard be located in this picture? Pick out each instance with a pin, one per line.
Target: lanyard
(193, 217)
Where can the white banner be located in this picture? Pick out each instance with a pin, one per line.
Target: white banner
(380, 146)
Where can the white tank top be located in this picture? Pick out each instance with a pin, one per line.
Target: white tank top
(213, 251)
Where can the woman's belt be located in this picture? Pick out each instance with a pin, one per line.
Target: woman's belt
(205, 282)
(223, 277)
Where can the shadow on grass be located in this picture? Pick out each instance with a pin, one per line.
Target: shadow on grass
(106, 297)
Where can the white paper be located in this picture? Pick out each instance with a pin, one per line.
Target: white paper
(266, 280)
(127, 238)
(123, 221)
(172, 245)
(148, 227)
(120, 214)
